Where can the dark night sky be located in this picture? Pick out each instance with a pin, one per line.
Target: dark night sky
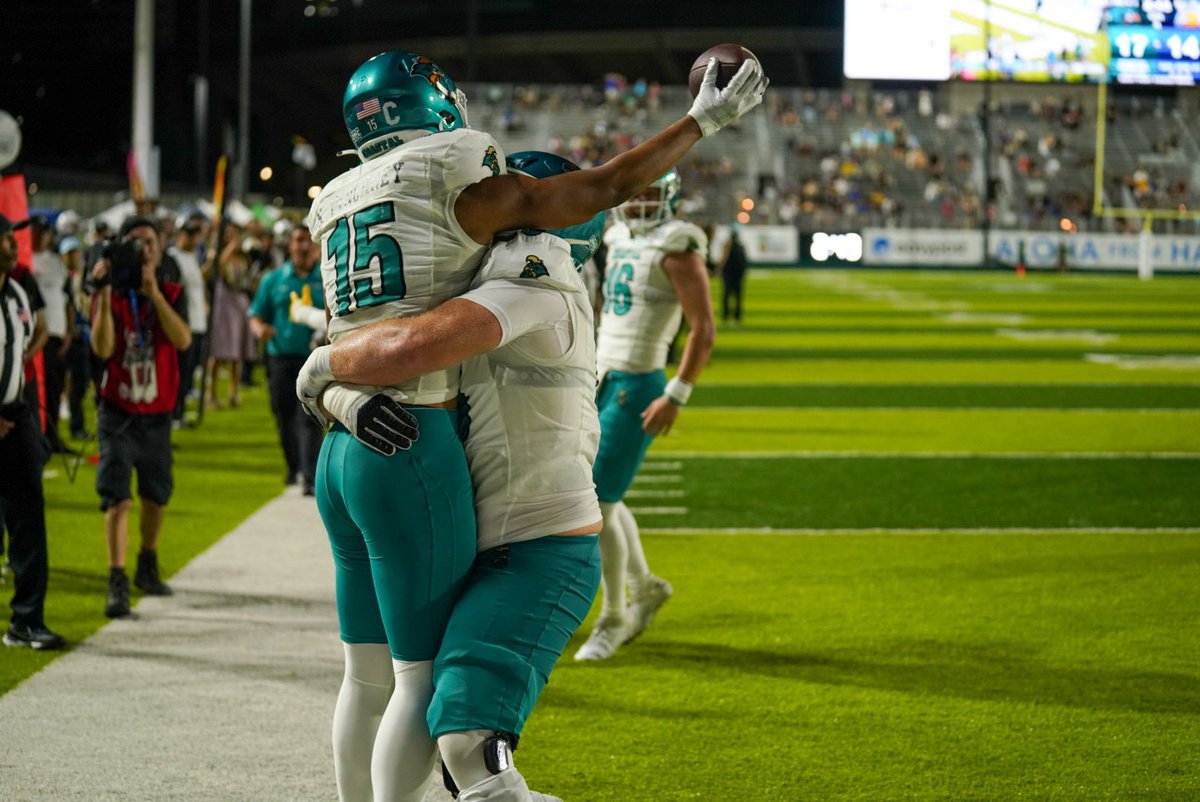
(66, 65)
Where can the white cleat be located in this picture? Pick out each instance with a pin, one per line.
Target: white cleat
(607, 636)
(651, 594)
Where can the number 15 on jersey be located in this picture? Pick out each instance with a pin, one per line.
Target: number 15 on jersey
(368, 265)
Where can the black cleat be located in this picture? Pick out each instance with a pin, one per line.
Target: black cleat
(38, 638)
(146, 576)
(117, 605)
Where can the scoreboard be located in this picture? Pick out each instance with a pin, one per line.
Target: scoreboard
(1122, 41)
(1154, 42)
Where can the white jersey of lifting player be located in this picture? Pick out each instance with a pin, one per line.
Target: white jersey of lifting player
(641, 310)
(534, 429)
(391, 245)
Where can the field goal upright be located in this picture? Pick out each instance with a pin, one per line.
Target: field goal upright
(1146, 215)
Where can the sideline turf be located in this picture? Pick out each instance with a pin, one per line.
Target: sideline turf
(224, 471)
(874, 667)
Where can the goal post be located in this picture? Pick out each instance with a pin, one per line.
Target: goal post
(1147, 216)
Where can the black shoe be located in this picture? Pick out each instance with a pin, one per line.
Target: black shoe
(38, 638)
(289, 479)
(308, 489)
(146, 576)
(117, 605)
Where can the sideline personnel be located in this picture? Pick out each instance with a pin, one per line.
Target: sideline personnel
(139, 321)
(22, 453)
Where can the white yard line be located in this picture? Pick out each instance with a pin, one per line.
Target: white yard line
(655, 494)
(659, 479)
(661, 466)
(859, 408)
(1050, 455)
(952, 530)
(659, 510)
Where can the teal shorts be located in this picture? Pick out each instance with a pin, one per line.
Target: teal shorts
(402, 530)
(622, 399)
(522, 604)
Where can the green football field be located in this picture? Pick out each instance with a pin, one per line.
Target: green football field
(932, 536)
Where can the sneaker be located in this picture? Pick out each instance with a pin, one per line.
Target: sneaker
(146, 576)
(607, 636)
(38, 638)
(117, 604)
(651, 594)
(308, 489)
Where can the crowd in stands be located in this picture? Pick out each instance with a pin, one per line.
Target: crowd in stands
(882, 157)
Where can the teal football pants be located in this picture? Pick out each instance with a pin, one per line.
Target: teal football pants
(621, 400)
(521, 606)
(402, 530)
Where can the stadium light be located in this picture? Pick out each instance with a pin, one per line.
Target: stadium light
(743, 218)
(314, 191)
(265, 173)
(747, 205)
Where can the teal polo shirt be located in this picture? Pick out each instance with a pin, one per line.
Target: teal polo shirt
(274, 298)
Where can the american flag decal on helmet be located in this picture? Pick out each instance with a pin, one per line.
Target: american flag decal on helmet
(366, 108)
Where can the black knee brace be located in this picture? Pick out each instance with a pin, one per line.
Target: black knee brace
(496, 756)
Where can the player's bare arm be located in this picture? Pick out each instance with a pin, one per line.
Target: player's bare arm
(396, 350)
(690, 279)
(510, 202)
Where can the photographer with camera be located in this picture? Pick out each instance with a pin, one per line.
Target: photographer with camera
(139, 322)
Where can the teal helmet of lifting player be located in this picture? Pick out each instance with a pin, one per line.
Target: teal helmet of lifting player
(653, 206)
(396, 97)
(583, 238)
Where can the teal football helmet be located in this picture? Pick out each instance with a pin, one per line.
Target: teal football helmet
(653, 206)
(583, 238)
(396, 97)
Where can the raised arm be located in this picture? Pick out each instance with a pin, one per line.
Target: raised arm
(510, 202)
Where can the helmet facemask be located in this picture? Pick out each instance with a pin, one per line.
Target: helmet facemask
(652, 206)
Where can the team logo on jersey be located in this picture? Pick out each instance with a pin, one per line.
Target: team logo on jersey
(622, 398)
(534, 267)
(491, 160)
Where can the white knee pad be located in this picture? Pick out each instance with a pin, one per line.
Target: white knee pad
(404, 755)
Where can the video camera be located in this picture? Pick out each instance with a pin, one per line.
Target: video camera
(125, 264)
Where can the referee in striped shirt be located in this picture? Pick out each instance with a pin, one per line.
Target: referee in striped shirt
(22, 453)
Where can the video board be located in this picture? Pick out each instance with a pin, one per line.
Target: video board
(1073, 41)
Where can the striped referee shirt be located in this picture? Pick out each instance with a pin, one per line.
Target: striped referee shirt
(16, 330)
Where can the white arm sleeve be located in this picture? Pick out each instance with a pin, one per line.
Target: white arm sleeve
(538, 316)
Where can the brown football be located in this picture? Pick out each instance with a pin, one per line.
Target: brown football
(729, 57)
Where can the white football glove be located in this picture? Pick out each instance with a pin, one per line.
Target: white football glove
(314, 377)
(374, 415)
(715, 108)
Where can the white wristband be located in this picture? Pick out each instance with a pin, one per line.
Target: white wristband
(678, 391)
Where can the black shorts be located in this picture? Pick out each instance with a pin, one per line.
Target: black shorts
(127, 442)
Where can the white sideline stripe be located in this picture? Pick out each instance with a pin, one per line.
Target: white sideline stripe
(1001, 530)
(665, 479)
(1165, 455)
(655, 494)
(661, 466)
(659, 510)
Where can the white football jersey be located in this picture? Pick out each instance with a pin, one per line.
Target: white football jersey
(534, 429)
(641, 310)
(390, 243)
